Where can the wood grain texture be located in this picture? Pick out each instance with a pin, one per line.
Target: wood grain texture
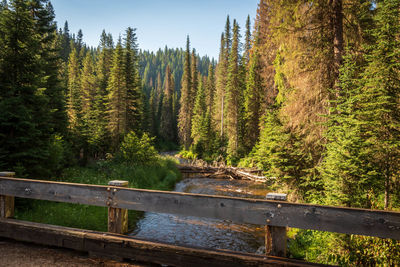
(117, 218)
(135, 249)
(278, 213)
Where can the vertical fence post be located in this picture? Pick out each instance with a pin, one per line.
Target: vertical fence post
(275, 236)
(117, 218)
(6, 202)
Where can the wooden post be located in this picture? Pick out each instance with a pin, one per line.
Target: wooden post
(275, 236)
(6, 202)
(117, 218)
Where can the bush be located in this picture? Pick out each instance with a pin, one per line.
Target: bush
(187, 154)
(138, 151)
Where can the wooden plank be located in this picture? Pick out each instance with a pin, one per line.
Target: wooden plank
(95, 195)
(7, 203)
(305, 216)
(275, 236)
(134, 249)
(6, 206)
(117, 218)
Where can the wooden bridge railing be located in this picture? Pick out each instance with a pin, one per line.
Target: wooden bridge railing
(383, 224)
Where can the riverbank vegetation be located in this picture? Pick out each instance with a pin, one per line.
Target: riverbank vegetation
(310, 95)
(137, 163)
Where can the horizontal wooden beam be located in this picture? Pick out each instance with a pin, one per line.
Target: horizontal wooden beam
(377, 223)
(134, 249)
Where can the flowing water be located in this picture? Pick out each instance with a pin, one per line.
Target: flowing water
(204, 232)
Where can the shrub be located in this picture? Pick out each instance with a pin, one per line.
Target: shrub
(137, 150)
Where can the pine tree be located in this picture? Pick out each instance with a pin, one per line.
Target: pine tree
(185, 111)
(219, 100)
(253, 101)
(195, 78)
(74, 100)
(364, 130)
(88, 92)
(117, 97)
(25, 118)
(79, 41)
(247, 44)
(134, 103)
(167, 115)
(198, 114)
(65, 43)
(233, 92)
(210, 88)
(46, 26)
(153, 112)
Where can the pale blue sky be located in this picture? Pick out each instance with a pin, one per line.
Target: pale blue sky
(158, 22)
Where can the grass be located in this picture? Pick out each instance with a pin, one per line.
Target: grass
(161, 175)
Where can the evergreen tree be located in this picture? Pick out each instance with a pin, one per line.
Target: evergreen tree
(88, 94)
(233, 92)
(247, 44)
(153, 112)
(201, 122)
(210, 89)
(65, 43)
(134, 100)
(364, 132)
(43, 14)
(79, 41)
(185, 112)
(117, 97)
(252, 101)
(74, 101)
(167, 115)
(195, 78)
(220, 77)
(25, 119)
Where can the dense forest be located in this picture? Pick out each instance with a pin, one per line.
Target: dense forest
(308, 91)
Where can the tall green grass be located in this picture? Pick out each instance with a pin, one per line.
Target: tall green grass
(160, 175)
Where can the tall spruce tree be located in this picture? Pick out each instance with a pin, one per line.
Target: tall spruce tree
(26, 118)
(210, 89)
(74, 101)
(253, 101)
(201, 122)
(364, 131)
(247, 42)
(134, 103)
(195, 78)
(220, 80)
(233, 92)
(185, 112)
(117, 97)
(167, 115)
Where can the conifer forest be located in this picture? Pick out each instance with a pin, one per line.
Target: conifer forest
(307, 91)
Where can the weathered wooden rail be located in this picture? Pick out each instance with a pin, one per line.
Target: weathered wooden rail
(376, 223)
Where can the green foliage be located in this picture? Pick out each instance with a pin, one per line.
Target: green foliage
(188, 154)
(167, 117)
(138, 151)
(343, 250)
(233, 94)
(29, 89)
(160, 174)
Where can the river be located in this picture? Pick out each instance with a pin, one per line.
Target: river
(204, 232)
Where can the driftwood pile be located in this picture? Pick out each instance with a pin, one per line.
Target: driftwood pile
(223, 172)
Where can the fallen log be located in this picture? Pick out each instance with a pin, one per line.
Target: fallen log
(223, 172)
